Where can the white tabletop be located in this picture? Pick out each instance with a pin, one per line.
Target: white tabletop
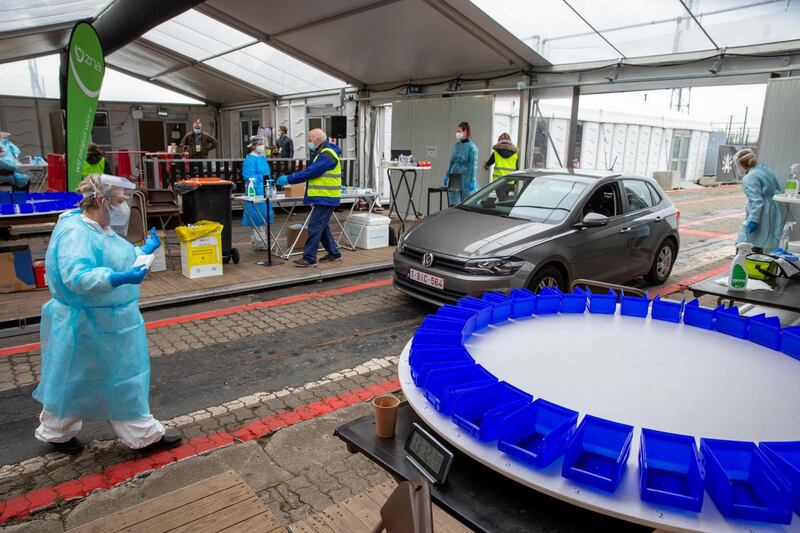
(785, 199)
(403, 167)
(32, 166)
(279, 198)
(645, 373)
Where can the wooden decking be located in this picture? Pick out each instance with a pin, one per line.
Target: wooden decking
(221, 503)
(361, 513)
(170, 286)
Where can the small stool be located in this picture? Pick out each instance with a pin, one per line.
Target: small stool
(432, 190)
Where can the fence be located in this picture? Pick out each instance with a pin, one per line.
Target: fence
(162, 172)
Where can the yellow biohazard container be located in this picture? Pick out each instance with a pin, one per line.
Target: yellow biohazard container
(201, 249)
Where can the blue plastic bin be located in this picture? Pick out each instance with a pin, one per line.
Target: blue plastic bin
(485, 308)
(5, 197)
(465, 327)
(597, 453)
(744, 483)
(437, 337)
(670, 472)
(790, 341)
(603, 304)
(25, 209)
(765, 331)
(462, 313)
(786, 458)
(437, 353)
(19, 197)
(7, 209)
(700, 317)
(548, 301)
(443, 386)
(481, 412)
(575, 302)
(423, 369)
(730, 323)
(502, 306)
(637, 306)
(538, 433)
(524, 303)
(666, 310)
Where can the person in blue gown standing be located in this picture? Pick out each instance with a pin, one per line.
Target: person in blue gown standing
(463, 162)
(762, 227)
(95, 360)
(255, 167)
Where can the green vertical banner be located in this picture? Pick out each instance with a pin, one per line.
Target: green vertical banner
(86, 67)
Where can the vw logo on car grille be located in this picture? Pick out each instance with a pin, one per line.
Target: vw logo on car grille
(427, 259)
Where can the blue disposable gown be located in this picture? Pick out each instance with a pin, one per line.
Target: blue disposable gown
(95, 361)
(464, 161)
(8, 163)
(760, 185)
(255, 166)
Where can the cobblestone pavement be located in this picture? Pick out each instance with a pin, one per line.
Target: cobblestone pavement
(212, 377)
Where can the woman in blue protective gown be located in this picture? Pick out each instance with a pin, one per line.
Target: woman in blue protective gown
(95, 361)
(762, 227)
(463, 161)
(255, 166)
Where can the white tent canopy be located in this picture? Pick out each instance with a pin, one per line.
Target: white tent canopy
(233, 51)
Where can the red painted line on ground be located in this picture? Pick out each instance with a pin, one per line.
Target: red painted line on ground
(711, 219)
(680, 203)
(24, 504)
(703, 233)
(682, 285)
(155, 324)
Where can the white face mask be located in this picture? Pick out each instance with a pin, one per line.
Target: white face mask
(460, 135)
(198, 131)
(118, 215)
(260, 148)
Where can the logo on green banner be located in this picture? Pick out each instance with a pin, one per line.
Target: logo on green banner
(85, 71)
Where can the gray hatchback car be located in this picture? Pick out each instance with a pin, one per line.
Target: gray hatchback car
(541, 228)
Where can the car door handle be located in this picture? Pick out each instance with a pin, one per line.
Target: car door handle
(625, 230)
(659, 219)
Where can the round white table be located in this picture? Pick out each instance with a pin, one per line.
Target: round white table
(790, 210)
(642, 372)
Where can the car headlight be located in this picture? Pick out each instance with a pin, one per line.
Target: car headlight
(494, 267)
(401, 243)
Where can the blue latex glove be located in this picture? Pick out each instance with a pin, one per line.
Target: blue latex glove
(152, 243)
(282, 181)
(133, 276)
(752, 226)
(445, 179)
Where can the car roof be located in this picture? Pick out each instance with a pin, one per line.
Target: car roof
(587, 175)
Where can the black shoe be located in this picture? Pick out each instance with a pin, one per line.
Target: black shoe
(72, 447)
(329, 258)
(165, 443)
(303, 263)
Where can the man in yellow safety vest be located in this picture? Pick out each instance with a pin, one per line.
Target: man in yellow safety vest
(505, 158)
(323, 179)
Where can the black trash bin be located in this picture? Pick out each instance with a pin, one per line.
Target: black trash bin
(210, 199)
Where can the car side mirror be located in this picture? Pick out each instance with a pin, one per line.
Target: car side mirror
(593, 220)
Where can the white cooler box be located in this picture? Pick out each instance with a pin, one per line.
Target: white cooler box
(375, 234)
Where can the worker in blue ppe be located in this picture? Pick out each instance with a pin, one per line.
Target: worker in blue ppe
(323, 178)
(763, 226)
(9, 159)
(463, 162)
(255, 167)
(95, 361)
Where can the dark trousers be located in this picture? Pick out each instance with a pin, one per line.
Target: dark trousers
(318, 230)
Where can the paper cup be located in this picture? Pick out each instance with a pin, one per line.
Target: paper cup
(385, 415)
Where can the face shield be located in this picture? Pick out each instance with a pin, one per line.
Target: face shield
(117, 194)
(737, 167)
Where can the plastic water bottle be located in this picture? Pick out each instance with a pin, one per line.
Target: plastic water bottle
(251, 188)
(271, 185)
(791, 187)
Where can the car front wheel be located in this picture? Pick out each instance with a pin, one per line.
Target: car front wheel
(549, 277)
(662, 263)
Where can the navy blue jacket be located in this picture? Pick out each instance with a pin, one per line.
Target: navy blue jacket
(315, 169)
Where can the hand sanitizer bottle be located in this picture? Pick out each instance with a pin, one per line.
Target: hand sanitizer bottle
(791, 184)
(737, 278)
(251, 188)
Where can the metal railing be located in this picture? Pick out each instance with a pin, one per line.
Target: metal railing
(164, 171)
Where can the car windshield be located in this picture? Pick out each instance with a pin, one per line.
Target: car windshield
(542, 199)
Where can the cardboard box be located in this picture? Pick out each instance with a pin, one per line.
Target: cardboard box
(298, 190)
(292, 233)
(16, 269)
(202, 257)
